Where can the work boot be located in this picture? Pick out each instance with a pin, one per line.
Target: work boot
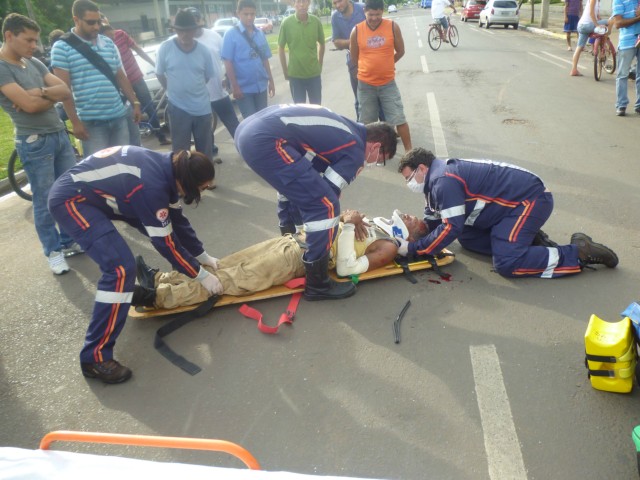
(287, 229)
(109, 371)
(592, 253)
(145, 274)
(542, 240)
(319, 286)
(143, 296)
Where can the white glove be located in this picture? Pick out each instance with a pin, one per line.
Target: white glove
(205, 259)
(403, 246)
(212, 284)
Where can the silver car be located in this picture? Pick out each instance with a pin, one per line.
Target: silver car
(499, 12)
(222, 25)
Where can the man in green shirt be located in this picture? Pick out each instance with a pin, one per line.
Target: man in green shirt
(303, 35)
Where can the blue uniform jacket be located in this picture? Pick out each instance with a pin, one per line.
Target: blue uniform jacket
(334, 144)
(137, 186)
(473, 193)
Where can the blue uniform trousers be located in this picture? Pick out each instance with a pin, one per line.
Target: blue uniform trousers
(94, 231)
(509, 242)
(293, 176)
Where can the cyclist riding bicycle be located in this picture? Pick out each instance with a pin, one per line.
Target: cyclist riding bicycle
(437, 13)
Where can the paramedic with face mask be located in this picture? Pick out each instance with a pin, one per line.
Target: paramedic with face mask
(494, 209)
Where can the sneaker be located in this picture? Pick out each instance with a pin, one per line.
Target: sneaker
(109, 372)
(621, 111)
(591, 253)
(162, 140)
(72, 249)
(57, 263)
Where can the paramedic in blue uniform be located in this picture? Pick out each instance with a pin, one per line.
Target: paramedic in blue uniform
(142, 188)
(494, 209)
(309, 155)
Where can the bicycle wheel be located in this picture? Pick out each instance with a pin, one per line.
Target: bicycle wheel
(453, 36)
(433, 37)
(610, 63)
(598, 60)
(18, 180)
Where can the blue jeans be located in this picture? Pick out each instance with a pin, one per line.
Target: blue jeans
(45, 159)
(625, 58)
(226, 113)
(134, 129)
(301, 87)
(251, 103)
(183, 125)
(105, 133)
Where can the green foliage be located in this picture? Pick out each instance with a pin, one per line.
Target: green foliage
(49, 14)
(6, 142)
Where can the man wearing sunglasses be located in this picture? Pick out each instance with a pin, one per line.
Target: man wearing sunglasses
(493, 209)
(96, 110)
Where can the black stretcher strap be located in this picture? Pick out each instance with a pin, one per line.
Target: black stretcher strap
(600, 358)
(179, 321)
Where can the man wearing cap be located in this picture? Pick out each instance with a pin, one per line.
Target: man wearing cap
(493, 209)
(361, 245)
(184, 67)
(96, 111)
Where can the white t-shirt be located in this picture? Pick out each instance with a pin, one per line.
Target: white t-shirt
(585, 19)
(213, 41)
(437, 8)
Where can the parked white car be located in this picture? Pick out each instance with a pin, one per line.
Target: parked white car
(499, 12)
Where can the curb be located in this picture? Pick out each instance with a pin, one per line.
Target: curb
(542, 31)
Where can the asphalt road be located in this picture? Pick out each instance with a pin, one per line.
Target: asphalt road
(488, 381)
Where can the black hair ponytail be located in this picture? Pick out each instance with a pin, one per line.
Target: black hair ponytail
(192, 169)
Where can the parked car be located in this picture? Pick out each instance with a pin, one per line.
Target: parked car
(264, 24)
(425, 4)
(472, 9)
(148, 70)
(499, 12)
(222, 25)
(392, 9)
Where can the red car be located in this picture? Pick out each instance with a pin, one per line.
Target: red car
(471, 10)
(264, 24)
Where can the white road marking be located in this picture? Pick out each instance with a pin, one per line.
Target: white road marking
(419, 43)
(501, 444)
(439, 143)
(546, 60)
(558, 58)
(425, 67)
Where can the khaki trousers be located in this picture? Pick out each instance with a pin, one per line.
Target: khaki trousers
(269, 263)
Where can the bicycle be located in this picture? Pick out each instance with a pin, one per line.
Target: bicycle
(436, 35)
(18, 178)
(604, 54)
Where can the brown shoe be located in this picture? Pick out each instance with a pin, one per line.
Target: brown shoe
(109, 372)
(592, 253)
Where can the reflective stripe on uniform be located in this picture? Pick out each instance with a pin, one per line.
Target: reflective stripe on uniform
(321, 225)
(106, 172)
(282, 198)
(318, 121)
(477, 210)
(103, 296)
(310, 155)
(552, 263)
(452, 211)
(335, 178)
(159, 231)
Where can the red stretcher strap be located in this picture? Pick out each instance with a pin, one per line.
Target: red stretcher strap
(286, 317)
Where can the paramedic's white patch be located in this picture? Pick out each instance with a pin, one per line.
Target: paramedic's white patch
(162, 214)
(107, 152)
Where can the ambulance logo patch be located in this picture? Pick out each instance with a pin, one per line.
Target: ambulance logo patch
(162, 214)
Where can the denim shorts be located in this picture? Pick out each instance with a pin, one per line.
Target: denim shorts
(390, 101)
(586, 29)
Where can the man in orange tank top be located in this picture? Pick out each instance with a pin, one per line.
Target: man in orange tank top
(376, 46)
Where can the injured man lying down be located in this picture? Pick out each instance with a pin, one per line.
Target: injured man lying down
(361, 245)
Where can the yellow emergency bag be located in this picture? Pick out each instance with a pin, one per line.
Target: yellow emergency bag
(610, 354)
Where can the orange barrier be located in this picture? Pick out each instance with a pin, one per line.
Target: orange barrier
(153, 441)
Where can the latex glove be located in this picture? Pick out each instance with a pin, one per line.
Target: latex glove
(205, 259)
(403, 246)
(212, 284)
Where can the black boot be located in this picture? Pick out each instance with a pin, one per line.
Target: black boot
(143, 296)
(145, 274)
(287, 229)
(542, 239)
(319, 286)
(592, 253)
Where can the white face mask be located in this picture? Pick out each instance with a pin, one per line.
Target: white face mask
(368, 164)
(413, 184)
